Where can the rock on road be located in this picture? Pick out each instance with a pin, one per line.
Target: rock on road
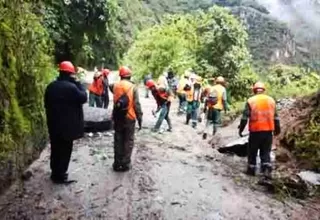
(175, 176)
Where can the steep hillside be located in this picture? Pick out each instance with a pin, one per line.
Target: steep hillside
(302, 17)
(270, 41)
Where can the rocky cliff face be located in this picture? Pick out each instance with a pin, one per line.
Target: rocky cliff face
(269, 40)
(302, 18)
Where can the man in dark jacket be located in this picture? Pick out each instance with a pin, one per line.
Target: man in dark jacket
(63, 102)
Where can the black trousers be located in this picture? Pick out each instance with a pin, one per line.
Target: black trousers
(123, 142)
(60, 156)
(260, 141)
(105, 101)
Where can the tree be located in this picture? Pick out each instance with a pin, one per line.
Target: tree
(25, 69)
(82, 31)
(213, 43)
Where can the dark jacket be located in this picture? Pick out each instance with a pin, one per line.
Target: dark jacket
(105, 82)
(63, 102)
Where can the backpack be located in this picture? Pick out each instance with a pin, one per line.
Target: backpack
(121, 107)
(212, 98)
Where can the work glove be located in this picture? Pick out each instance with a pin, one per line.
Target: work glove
(140, 123)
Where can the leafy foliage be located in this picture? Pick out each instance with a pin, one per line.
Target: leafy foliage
(212, 43)
(82, 31)
(25, 68)
(289, 81)
(302, 137)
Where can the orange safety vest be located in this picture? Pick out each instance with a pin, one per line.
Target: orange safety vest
(262, 113)
(220, 89)
(125, 87)
(96, 86)
(191, 95)
(182, 83)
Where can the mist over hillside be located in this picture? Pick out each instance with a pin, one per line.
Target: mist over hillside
(300, 15)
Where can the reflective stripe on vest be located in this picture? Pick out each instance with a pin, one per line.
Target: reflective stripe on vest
(262, 112)
(96, 86)
(193, 95)
(220, 90)
(125, 87)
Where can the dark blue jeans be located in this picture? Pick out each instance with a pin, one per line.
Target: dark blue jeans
(164, 115)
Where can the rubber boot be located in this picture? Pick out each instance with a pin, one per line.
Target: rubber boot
(266, 171)
(215, 129)
(188, 118)
(251, 171)
(116, 167)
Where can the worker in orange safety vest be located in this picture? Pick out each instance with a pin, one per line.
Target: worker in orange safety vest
(96, 91)
(261, 112)
(126, 111)
(218, 103)
(105, 82)
(163, 99)
(193, 96)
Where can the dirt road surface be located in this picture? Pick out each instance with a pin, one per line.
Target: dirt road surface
(175, 176)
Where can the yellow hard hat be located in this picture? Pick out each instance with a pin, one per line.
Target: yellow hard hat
(220, 79)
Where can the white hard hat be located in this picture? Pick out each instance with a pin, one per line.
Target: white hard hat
(193, 76)
(97, 75)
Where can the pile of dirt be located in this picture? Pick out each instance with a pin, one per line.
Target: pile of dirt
(298, 145)
(295, 120)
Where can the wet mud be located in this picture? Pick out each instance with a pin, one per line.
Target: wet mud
(175, 175)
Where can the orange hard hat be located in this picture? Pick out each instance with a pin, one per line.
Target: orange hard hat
(259, 85)
(150, 83)
(124, 71)
(67, 66)
(105, 72)
(220, 79)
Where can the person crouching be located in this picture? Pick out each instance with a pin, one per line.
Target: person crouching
(163, 98)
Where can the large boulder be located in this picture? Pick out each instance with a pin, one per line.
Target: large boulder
(96, 119)
(237, 147)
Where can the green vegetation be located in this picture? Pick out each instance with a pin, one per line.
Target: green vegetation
(25, 68)
(289, 81)
(83, 31)
(149, 35)
(303, 136)
(212, 43)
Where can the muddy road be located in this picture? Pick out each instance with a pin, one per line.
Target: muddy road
(175, 176)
